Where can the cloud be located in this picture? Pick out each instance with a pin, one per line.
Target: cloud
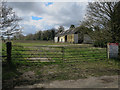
(28, 29)
(27, 7)
(42, 16)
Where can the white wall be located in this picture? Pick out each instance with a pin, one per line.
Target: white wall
(62, 39)
(75, 38)
(56, 39)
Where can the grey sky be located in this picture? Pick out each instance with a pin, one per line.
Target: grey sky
(54, 15)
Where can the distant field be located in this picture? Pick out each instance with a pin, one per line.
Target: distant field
(41, 43)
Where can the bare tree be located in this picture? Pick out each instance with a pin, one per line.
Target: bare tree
(60, 29)
(101, 16)
(8, 20)
(115, 23)
(99, 13)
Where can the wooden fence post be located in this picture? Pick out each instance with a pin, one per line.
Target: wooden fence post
(9, 48)
(107, 50)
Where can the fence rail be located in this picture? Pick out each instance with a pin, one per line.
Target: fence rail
(55, 53)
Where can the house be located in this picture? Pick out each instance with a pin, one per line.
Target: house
(72, 35)
(69, 35)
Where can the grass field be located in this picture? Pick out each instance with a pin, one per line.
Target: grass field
(71, 61)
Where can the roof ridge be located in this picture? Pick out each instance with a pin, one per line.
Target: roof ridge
(69, 31)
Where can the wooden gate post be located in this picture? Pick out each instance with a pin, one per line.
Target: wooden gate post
(9, 48)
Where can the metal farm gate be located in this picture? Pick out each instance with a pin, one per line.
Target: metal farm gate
(64, 54)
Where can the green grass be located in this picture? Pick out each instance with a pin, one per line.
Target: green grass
(82, 70)
(42, 43)
(37, 43)
(75, 61)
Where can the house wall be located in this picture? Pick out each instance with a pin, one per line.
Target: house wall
(80, 37)
(87, 39)
(75, 38)
(62, 39)
(70, 38)
(56, 39)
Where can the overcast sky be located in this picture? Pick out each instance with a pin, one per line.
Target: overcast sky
(46, 15)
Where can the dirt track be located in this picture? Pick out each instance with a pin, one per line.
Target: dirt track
(91, 82)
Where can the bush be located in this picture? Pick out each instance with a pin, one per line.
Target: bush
(100, 44)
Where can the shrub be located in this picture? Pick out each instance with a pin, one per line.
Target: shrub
(100, 44)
